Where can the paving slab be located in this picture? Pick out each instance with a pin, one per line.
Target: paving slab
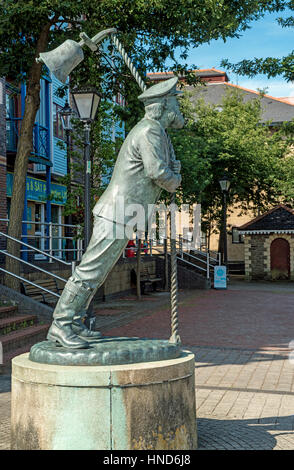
(240, 338)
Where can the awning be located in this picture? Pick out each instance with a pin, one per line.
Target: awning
(40, 160)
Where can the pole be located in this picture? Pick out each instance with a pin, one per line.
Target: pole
(165, 265)
(139, 269)
(68, 218)
(90, 318)
(225, 229)
(87, 181)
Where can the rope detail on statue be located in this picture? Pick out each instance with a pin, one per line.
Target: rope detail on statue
(128, 62)
(175, 338)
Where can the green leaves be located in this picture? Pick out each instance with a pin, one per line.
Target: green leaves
(269, 66)
(149, 30)
(229, 137)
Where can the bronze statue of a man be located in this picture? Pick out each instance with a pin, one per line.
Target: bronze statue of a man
(143, 167)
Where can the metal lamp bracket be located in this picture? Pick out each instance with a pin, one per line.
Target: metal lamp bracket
(92, 43)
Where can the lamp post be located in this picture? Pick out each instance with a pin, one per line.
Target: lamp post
(66, 114)
(225, 186)
(87, 101)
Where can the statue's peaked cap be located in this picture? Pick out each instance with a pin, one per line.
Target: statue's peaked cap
(168, 87)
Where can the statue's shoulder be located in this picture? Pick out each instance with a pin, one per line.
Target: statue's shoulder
(148, 126)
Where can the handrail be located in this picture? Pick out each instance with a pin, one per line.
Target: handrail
(198, 259)
(44, 231)
(30, 282)
(187, 262)
(43, 223)
(32, 265)
(191, 264)
(35, 249)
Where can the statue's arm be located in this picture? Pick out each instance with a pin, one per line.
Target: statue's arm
(153, 152)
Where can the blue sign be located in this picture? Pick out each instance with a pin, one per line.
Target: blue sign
(220, 277)
(36, 190)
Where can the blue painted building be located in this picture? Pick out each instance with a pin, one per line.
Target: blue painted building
(45, 196)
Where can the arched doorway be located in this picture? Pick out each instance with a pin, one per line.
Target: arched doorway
(280, 259)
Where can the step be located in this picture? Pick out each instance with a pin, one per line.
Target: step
(16, 322)
(5, 368)
(25, 337)
(6, 311)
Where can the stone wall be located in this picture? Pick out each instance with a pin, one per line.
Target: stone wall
(187, 278)
(257, 255)
(119, 279)
(117, 282)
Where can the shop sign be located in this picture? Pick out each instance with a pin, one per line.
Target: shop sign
(36, 190)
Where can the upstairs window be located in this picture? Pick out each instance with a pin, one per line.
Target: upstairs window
(57, 123)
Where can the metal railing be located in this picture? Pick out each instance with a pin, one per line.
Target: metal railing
(146, 248)
(20, 278)
(38, 268)
(40, 137)
(202, 260)
(45, 236)
(32, 248)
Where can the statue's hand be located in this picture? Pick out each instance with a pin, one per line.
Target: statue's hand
(176, 166)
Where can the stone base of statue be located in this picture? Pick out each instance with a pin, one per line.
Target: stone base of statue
(147, 405)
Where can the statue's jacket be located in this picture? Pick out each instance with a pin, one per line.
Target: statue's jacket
(142, 169)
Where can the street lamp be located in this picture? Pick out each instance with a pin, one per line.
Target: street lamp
(87, 101)
(225, 186)
(66, 113)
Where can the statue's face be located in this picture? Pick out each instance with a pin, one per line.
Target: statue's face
(175, 117)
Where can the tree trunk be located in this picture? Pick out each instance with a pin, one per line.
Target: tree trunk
(24, 148)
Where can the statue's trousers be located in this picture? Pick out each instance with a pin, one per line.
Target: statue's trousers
(106, 246)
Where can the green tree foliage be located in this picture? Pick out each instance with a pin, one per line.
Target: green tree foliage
(269, 66)
(150, 31)
(230, 138)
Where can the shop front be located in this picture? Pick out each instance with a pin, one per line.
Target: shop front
(43, 206)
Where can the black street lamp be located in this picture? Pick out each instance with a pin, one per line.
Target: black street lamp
(225, 186)
(87, 101)
(66, 113)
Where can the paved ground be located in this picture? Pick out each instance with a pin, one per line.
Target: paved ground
(240, 337)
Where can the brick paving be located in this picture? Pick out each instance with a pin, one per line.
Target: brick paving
(240, 338)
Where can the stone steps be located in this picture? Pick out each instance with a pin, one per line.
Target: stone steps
(18, 333)
(16, 322)
(7, 311)
(24, 337)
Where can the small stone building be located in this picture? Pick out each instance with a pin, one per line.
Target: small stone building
(269, 245)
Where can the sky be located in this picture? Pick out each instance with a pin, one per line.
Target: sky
(265, 39)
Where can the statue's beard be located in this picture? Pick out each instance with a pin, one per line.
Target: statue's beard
(176, 120)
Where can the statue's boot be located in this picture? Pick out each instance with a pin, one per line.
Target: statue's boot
(80, 329)
(73, 300)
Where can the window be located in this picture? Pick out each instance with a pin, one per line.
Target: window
(57, 123)
(236, 236)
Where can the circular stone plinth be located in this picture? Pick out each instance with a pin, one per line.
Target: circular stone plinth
(145, 406)
(106, 351)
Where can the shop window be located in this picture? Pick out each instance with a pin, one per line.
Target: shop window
(57, 123)
(237, 237)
